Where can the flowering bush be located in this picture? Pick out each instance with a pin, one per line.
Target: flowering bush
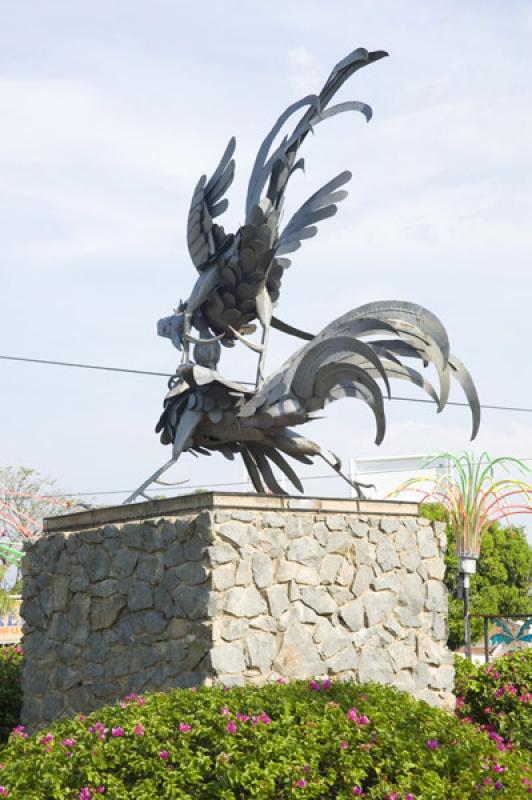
(299, 740)
(10, 691)
(498, 696)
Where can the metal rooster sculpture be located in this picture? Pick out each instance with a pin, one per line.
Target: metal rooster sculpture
(239, 281)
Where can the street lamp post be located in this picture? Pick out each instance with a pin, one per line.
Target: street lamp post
(467, 565)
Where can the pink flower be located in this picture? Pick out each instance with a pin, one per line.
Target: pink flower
(164, 755)
(85, 793)
(193, 689)
(138, 730)
(225, 711)
(100, 790)
(184, 727)
(409, 796)
(18, 731)
(82, 717)
(3, 792)
(499, 692)
(314, 685)
(488, 710)
(487, 781)
(116, 732)
(326, 684)
(242, 717)
(352, 715)
(301, 783)
(344, 745)
(362, 720)
(231, 727)
(281, 681)
(46, 739)
(68, 742)
(498, 785)
(141, 701)
(433, 744)
(498, 768)
(357, 790)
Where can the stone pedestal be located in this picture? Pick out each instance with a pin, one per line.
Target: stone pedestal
(232, 588)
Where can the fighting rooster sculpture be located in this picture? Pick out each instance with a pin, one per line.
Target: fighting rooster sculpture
(238, 284)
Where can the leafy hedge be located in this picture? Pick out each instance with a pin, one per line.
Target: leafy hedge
(10, 691)
(498, 696)
(301, 740)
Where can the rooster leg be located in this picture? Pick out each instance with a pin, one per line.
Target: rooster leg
(186, 337)
(140, 491)
(182, 440)
(262, 356)
(334, 462)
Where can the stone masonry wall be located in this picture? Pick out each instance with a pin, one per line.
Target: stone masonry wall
(233, 596)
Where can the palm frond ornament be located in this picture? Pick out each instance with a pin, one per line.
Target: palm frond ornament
(237, 288)
(474, 499)
(472, 495)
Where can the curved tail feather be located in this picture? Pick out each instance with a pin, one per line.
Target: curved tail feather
(343, 362)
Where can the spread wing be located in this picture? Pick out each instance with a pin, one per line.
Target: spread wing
(206, 239)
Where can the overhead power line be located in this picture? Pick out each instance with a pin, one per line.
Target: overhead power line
(49, 362)
(187, 488)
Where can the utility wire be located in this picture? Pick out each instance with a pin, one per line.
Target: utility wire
(236, 483)
(246, 383)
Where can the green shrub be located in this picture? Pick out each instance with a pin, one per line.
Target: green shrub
(10, 691)
(278, 742)
(498, 696)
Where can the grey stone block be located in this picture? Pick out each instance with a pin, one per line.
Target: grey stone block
(344, 661)
(260, 648)
(339, 542)
(362, 579)
(305, 551)
(235, 532)
(244, 602)
(228, 658)
(223, 577)
(364, 552)
(389, 525)
(375, 665)
(277, 600)
(427, 543)
(140, 596)
(387, 555)
(335, 522)
(192, 573)
(436, 597)
(234, 629)
(378, 606)
(104, 611)
(357, 527)
(262, 568)
(353, 615)
(173, 555)
(104, 588)
(318, 599)
(412, 593)
(329, 567)
(297, 655)
(221, 553)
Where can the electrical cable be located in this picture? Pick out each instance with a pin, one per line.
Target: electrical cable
(490, 407)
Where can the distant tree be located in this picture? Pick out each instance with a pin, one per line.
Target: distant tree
(26, 498)
(503, 580)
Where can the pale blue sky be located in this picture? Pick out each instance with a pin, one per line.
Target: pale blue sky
(110, 111)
